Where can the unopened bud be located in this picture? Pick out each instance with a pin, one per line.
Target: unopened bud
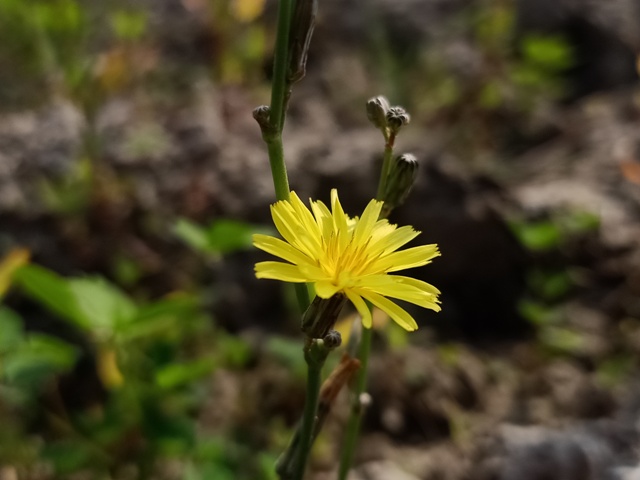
(333, 339)
(402, 175)
(319, 319)
(397, 117)
(261, 114)
(302, 23)
(377, 108)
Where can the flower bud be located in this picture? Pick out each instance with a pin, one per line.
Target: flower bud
(377, 108)
(302, 23)
(402, 175)
(319, 319)
(397, 117)
(261, 115)
(333, 339)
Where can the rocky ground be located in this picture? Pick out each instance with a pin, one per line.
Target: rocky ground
(483, 391)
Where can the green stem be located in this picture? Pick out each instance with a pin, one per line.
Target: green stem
(386, 166)
(280, 65)
(278, 168)
(355, 418)
(310, 410)
(273, 137)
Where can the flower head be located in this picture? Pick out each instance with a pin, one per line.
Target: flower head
(353, 256)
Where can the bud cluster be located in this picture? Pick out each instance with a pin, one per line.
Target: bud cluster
(386, 118)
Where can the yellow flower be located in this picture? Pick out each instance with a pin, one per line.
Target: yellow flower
(353, 256)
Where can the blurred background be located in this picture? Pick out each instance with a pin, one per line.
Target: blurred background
(135, 342)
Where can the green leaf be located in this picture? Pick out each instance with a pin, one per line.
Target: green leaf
(227, 236)
(220, 238)
(11, 331)
(287, 352)
(52, 291)
(548, 53)
(159, 317)
(537, 313)
(233, 351)
(550, 285)
(178, 374)
(92, 304)
(561, 339)
(538, 236)
(192, 234)
(37, 359)
(69, 456)
(129, 25)
(102, 306)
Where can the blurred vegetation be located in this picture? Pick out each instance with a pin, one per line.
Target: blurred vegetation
(147, 361)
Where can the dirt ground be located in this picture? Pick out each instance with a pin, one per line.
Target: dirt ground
(529, 372)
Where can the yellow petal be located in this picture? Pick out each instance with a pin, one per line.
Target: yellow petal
(291, 228)
(313, 273)
(367, 221)
(281, 249)
(280, 221)
(279, 271)
(390, 288)
(397, 313)
(427, 287)
(340, 219)
(326, 289)
(392, 240)
(361, 306)
(305, 215)
(417, 297)
(404, 259)
(323, 217)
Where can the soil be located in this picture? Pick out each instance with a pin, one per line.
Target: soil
(481, 392)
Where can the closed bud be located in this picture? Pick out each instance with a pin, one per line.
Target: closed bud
(320, 317)
(333, 339)
(402, 175)
(261, 114)
(397, 117)
(377, 109)
(302, 24)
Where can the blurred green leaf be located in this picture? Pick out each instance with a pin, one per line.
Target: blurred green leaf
(547, 52)
(160, 316)
(537, 313)
(102, 306)
(550, 285)
(192, 234)
(233, 351)
(92, 304)
(287, 352)
(538, 236)
(52, 291)
(129, 25)
(69, 455)
(561, 339)
(580, 222)
(177, 374)
(227, 236)
(35, 360)
(490, 95)
(11, 331)
(612, 371)
(220, 238)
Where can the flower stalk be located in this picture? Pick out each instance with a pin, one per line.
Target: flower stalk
(346, 259)
(393, 188)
